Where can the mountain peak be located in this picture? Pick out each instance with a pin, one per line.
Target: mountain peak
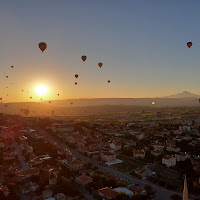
(184, 94)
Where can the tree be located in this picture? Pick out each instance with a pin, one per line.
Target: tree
(175, 196)
(149, 190)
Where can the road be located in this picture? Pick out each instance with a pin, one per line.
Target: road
(20, 157)
(161, 193)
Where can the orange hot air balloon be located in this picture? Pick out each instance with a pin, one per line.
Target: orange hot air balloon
(75, 83)
(189, 44)
(84, 58)
(71, 103)
(100, 64)
(108, 81)
(30, 97)
(6, 76)
(58, 94)
(0, 99)
(49, 101)
(76, 75)
(22, 90)
(11, 66)
(42, 46)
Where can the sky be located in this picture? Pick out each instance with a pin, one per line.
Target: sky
(141, 43)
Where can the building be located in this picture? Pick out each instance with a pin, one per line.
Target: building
(182, 156)
(75, 165)
(84, 180)
(138, 190)
(138, 154)
(158, 146)
(169, 161)
(143, 172)
(156, 152)
(108, 193)
(115, 146)
(124, 190)
(107, 156)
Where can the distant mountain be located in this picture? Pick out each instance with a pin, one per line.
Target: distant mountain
(184, 94)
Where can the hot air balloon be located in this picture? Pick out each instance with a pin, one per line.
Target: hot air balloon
(76, 75)
(42, 46)
(41, 99)
(26, 111)
(30, 97)
(84, 58)
(11, 66)
(27, 91)
(158, 114)
(171, 114)
(142, 111)
(6, 76)
(189, 44)
(75, 83)
(153, 103)
(100, 64)
(49, 101)
(58, 94)
(1, 99)
(71, 103)
(108, 81)
(22, 90)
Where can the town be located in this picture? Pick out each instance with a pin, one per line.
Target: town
(51, 158)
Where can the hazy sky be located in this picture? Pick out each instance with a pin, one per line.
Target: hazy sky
(142, 45)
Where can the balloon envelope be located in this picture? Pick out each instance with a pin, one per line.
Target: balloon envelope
(26, 111)
(84, 58)
(100, 64)
(42, 46)
(189, 44)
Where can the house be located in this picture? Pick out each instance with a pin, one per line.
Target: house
(84, 180)
(138, 154)
(182, 156)
(139, 136)
(171, 142)
(47, 193)
(173, 149)
(54, 172)
(60, 196)
(124, 190)
(158, 146)
(4, 189)
(107, 156)
(91, 151)
(143, 172)
(138, 190)
(29, 186)
(156, 152)
(169, 161)
(108, 193)
(75, 165)
(116, 146)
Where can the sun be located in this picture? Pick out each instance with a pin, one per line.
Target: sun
(41, 90)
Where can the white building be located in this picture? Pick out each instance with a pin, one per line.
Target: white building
(169, 161)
